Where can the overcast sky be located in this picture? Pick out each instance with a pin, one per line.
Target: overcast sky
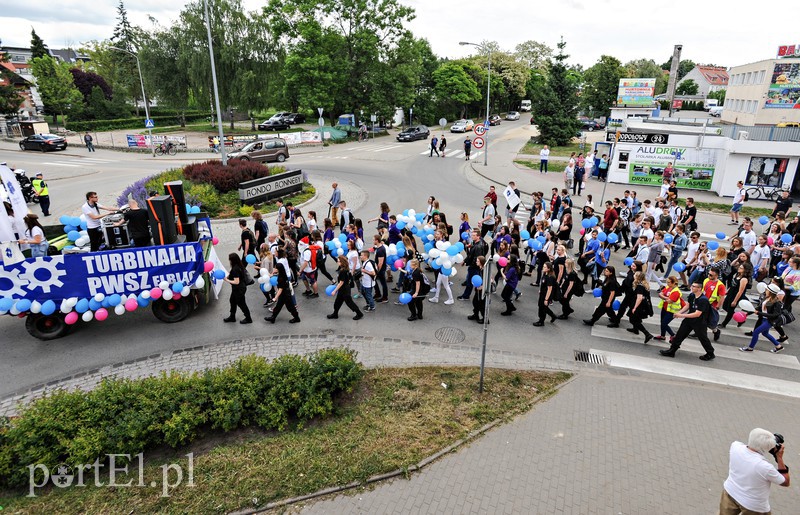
(721, 35)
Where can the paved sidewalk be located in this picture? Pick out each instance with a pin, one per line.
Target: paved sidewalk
(605, 444)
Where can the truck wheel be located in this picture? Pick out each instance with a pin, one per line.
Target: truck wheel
(46, 327)
(281, 158)
(171, 311)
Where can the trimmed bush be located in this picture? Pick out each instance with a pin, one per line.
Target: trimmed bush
(133, 123)
(225, 178)
(125, 416)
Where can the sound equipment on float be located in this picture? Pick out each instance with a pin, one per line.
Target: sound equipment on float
(116, 236)
(175, 190)
(162, 219)
(190, 229)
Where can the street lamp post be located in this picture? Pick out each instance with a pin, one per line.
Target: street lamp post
(488, 91)
(144, 97)
(223, 154)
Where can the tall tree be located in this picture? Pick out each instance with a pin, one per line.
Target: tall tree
(55, 85)
(170, 84)
(647, 68)
(10, 97)
(719, 95)
(38, 48)
(534, 54)
(125, 75)
(123, 34)
(600, 85)
(452, 82)
(687, 87)
(555, 105)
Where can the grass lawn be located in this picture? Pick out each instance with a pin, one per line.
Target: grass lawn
(393, 419)
(534, 165)
(714, 207)
(534, 148)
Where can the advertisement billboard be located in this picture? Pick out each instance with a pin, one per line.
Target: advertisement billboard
(784, 88)
(693, 169)
(636, 92)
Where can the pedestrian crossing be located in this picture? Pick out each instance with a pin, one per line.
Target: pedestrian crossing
(456, 154)
(369, 148)
(78, 163)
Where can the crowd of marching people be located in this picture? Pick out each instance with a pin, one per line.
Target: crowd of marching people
(563, 248)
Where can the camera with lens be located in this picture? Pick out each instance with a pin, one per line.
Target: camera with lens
(778, 444)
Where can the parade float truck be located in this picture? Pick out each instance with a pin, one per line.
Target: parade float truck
(177, 274)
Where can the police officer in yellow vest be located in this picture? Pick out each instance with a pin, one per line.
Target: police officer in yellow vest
(40, 188)
(671, 302)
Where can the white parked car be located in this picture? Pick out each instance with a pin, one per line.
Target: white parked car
(462, 126)
(512, 115)
(716, 111)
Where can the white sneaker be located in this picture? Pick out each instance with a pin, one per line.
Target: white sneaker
(433, 299)
(432, 290)
(449, 301)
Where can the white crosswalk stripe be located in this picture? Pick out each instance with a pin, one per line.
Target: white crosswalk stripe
(61, 163)
(95, 160)
(382, 149)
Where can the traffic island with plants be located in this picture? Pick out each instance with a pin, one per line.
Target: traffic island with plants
(214, 187)
(250, 434)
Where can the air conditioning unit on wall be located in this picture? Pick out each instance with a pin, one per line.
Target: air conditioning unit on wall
(744, 135)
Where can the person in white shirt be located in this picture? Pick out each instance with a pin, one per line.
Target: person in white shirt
(368, 274)
(544, 156)
(748, 236)
(569, 174)
(487, 221)
(92, 211)
(760, 257)
(647, 231)
(643, 250)
(750, 475)
(691, 256)
(664, 192)
(738, 201)
(308, 273)
(589, 166)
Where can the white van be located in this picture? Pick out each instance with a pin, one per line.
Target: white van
(709, 103)
(525, 106)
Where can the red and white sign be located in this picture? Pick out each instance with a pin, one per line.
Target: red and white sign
(478, 142)
(789, 51)
(479, 130)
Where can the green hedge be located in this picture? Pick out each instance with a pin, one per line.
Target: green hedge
(133, 123)
(125, 416)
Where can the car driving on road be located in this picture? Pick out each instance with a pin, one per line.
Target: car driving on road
(462, 126)
(274, 149)
(587, 124)
(494, 120)
(414, 133)
(43, 142)
(512, 115)
(273, 125)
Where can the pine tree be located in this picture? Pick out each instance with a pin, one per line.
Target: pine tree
(123, 33)
(555, 105)
(38, 48)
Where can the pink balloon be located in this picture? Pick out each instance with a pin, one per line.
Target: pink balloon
(101, 314)
(176, 296)
(71, 318)
(156, 293)
(131, 305)
(215, 240)
(739, 316)
(770, 241)
(400, 264)
(583, 231)
(208, 266)
(502, 261)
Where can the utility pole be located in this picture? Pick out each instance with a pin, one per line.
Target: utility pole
(673, 76)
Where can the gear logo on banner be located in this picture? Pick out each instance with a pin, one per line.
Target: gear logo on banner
(11, 284)
(43, 273)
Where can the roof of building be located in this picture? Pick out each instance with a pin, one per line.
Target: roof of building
(713, 75)
(15, 78)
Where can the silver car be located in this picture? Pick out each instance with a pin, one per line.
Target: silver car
(512, 115)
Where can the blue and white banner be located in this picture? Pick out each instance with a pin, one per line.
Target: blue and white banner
(113, 272)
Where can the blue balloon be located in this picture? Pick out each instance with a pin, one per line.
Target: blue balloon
(763, 220)
(273, 280)
(597, 292)
(586, 223)
(114, 300)
(408, 265)
(541, 239)
(477, 281)
(523, 235)
(177, 287)
(465, 235)
(414, 229)
(329, 290)
(188, 208)
(679, 267)
(73, 235)
(596, 220)
(83, 225)
(452, 250)
(401, 225)
(219, 274)
(195, 210)
(446, 271)
(331, 245)
(721, 235)
(537, 245)
(23, 305)
(75, 220)
(668, 238)
(105, 303)
(405, 298)
(531, 241)
(613, 238)
(48, 307)
(628, 261)
(94, 305)
(428, 247)
(343, 237)
(712, 245)
(616, 304)
(405, 212)
(435, 265)
(63, 220)
(786, 238)
(251, 259)
(6, 303)
(69, 228)
(601, 236)
(460, 246)
(420, 217)
(82, 306)
(391, 259)
(143, 303)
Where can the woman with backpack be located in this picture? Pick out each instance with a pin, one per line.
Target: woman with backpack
(570, 286)
(511, 275)
(342, 291)
(671, 302)
(610, 289)
(770, 310)
(548, 293)
(419, 288)
(300, 225)
(642, 308)
(237, 279)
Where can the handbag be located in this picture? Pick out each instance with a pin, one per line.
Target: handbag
(569, 243)
(787, 317)
(247, 278)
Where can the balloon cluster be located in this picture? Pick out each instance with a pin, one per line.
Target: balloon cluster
(265, 280)
(75, 229)
(337, 246)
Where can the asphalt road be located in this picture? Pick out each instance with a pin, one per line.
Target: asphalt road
(401, 174)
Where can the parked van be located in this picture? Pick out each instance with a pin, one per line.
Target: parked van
(709, 103)
(525, 106)
(274, 149)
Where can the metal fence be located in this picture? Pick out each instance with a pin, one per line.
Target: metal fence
(761, 133)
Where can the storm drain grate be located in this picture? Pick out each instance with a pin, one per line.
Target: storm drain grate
(450, 335)
(589, 357)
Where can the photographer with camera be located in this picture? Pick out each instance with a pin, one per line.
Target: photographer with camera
(746, 490)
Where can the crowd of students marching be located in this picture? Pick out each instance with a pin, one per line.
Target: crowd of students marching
(564, 249)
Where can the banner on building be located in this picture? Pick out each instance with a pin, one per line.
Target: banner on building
(636, 92)
(693, 169)
(143, 140)
(784, 88)
(292, 139)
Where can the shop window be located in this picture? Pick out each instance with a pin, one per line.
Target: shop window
(767, 171)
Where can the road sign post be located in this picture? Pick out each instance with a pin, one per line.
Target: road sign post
(478, 142)
(479, 130)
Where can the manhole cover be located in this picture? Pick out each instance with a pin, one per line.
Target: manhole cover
(449, 335)
(589, 357)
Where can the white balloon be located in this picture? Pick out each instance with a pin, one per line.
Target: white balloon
(72, 301)
(340, 252)
(524, 244)
(263, 272)
(200, 283)
(447, 264)
(185, 291)
(64, 308)
(392, 250)
(746, 305)
(146, 294)
(87, 316)
(761, 287)
(84, 233)
(412, 213)
(439, 261)
(263, 280)
(82, 217)
(99, 297)
(167, 295)
(458, 259)
(337, 244)
(119, 309)
(440, 245)
(424, 255)
(435, 253)
(36, 307)
(496, 258)
(14, 310)
(267, 286)
(446, 245)
(454, 272)
(164, 285)
(430, 237)
(554, 225)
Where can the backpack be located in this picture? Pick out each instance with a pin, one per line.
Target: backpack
(648, 307)
(746, 197)
(425, 285)
(316, 255)
(247, 279)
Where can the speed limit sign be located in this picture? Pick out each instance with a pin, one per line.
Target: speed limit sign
(478, 142)
(479, 129)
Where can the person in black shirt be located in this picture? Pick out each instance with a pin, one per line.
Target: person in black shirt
(783, 204)
(570, 286)
(417, 296)
(626, 289)
(260, 228)
(248, 245)
(478, 300)
(609, 291)
(138, 224)
(284, 289)
(547, 295)
(695, 315)
(343, 292)
(238, 289)
(641, 306)
(690, 215)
